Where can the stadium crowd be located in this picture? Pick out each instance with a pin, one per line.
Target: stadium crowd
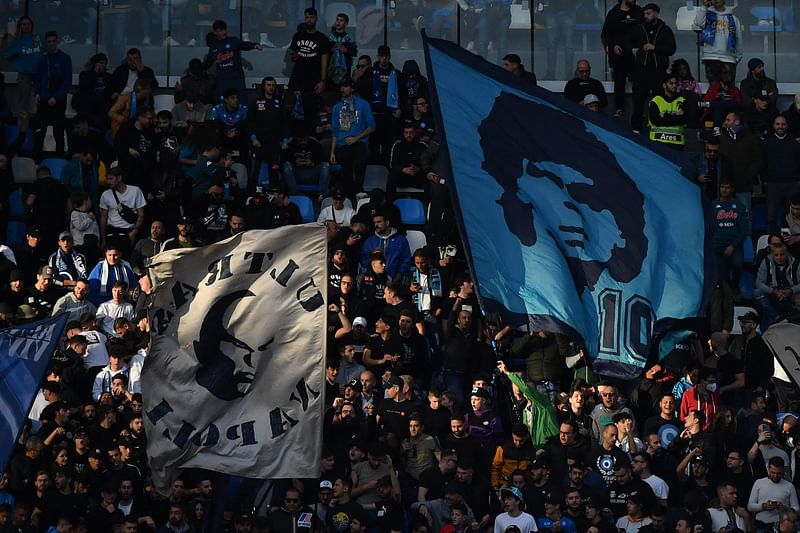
(438, 418)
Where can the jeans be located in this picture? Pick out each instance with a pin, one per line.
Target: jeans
(771, 309)
(54, 116)
(317, 175)
(560, 29)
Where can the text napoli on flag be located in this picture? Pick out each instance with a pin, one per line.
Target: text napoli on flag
(570, 226)
(234, 381)
(25, 353)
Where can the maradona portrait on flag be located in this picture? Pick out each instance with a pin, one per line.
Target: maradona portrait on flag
(571, 226)
(234, 381)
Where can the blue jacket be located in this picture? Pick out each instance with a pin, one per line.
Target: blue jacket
(395, 250)
(226, 56)
(24, 53)
(363, 120)
(58, 68)
(72, 177)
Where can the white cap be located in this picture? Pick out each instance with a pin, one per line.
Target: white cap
(590, 99)
(360, 321)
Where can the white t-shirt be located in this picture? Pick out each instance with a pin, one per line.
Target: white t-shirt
(341, 216)
(525, 522)
(108, 312)
(96, 352)
(659, 486)
(132, 197)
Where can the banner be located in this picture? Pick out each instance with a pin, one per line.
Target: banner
(571, 224)
(783, 339)
(25, 353)
(234, 381)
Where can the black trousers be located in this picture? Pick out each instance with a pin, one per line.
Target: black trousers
(47, 115)
(622, 69)
(647, 83)
(353, 159)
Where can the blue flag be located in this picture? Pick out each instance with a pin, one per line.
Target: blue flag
(25, 353)
(571, 224)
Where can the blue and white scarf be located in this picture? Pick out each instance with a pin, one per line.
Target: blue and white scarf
(709, 33)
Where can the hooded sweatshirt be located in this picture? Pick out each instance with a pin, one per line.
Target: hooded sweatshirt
(395, 250)
(24, 52)
(720, 33)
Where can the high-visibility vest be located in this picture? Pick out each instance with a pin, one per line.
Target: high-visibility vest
(668, 134)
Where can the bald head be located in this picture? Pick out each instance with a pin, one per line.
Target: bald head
(583, 70)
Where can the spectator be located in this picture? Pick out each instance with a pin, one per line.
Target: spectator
(53, 82)
(352, 123)
(310, 51)
(781, 170)
(756, 82)
(394, 245)
(721, 36)
(582, 85)
(24, 50)
(653, 43)
(513, 64)
(381, 88)
(740, 155)
(121, 212)
(131, 69)
(305, 165)
(777, 285)
(770, 494)
(616, 35)
(225, 53)
(513, 515)
(666, 115)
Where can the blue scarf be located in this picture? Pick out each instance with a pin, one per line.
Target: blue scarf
(298, 113)
(434, 285)
(391, 88)
(709, 33)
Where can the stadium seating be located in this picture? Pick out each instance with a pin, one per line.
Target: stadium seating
(55, 165)
(306, 207)
(412, 212)
(416, 239)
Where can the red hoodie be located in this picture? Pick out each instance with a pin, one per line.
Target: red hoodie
(708, 405)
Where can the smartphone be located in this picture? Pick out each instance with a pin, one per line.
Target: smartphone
(786, 232)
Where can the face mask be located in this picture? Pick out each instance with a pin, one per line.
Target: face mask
(711, 387)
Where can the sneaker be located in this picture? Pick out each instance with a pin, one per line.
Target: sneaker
(404, 44)
(245, 36)
(419, 23)
(68, 39)
(146, 41)
(471, 46)
(169, 41)
(192, 42)
(619, 113)
(265, 42)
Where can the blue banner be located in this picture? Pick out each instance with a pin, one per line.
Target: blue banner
(571, 223)
(25, 353)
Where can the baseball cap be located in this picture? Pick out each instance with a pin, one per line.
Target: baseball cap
(355, 385)
(325, 484)
(636, 497)
(479, 392)
(590, 99)
(184, 220)
(65, 236)
(750, 315)
(754, 63)
(511, 491)
(395, 381)
(15, 275)
(46, 271)
(360, 321)
(96, 453)
(763, 94)
(114, 169)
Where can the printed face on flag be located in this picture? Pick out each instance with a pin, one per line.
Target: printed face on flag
(572, 226)
(235, 378)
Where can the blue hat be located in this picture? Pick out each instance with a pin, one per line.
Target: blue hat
(513, 491)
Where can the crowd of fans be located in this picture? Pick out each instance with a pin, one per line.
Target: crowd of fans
(438, 418)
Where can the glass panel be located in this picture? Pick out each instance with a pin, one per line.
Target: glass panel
(126, 24)
(568, 30)
(786, 68)
(497, 30)
(680, 15)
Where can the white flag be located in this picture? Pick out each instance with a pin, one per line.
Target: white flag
(783, 338)
(234, 381)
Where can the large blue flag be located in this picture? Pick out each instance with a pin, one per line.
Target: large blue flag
(25, 353)
(571, 224)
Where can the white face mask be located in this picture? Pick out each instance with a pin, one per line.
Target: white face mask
(711, 387)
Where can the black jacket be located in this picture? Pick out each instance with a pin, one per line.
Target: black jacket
(658, 34)
(619, 26)
(119, 78)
